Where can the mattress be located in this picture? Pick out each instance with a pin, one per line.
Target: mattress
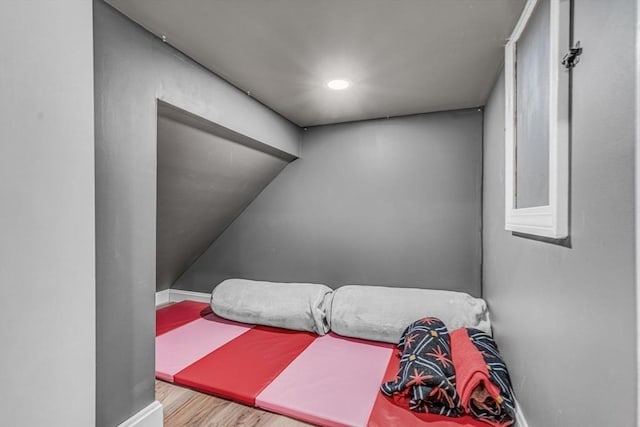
(245, 366)
(326, 380)
(179, 314)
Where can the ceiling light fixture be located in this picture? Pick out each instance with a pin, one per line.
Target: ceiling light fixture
(338, 84)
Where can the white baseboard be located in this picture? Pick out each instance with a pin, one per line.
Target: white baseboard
(162, 297)
(177, 295)
(520, 420)
(151, 416)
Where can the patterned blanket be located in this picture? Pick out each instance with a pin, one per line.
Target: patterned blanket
(426, 377)
(452, 374)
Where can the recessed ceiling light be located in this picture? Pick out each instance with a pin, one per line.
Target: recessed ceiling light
(338, 84)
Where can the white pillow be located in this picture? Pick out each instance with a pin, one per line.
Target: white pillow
(297, 306)
(380, 313)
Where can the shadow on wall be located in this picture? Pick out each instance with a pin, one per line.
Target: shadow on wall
(207, 175)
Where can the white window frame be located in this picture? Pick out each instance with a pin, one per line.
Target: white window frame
(551, 220)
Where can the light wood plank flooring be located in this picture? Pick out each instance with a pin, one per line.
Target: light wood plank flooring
(184, 407)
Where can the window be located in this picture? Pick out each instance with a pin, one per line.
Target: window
(537, 121)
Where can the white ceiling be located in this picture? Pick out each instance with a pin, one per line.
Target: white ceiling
(402, 56)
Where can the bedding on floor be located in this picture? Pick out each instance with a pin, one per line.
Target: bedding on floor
(181, 314)
(334, 382)
(326, 380)
(296, 306)
(180, 347)
(482, 378)
(380, 313)
(246, 365)
(452, 374)
(426, 378)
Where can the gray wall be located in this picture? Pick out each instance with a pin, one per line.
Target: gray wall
(205, 181)
(389, 202)
(564, 317)
(132, 70)
(47, 256)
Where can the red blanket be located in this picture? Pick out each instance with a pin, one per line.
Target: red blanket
(482, 379)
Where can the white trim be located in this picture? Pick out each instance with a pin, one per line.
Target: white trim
(527, 11)
(177, 295)
(150, 416)
(162, 297)
(520, 420)
(637, 213)
(551, 220)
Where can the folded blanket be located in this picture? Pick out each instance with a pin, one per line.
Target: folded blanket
(426, 378)
(482, 379)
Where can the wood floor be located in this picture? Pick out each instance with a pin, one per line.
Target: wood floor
(184, 407)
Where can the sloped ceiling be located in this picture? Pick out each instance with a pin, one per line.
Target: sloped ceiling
(206, 178)
(402, 56)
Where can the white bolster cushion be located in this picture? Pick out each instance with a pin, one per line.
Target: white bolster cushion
(380, 313)
(297, 306)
